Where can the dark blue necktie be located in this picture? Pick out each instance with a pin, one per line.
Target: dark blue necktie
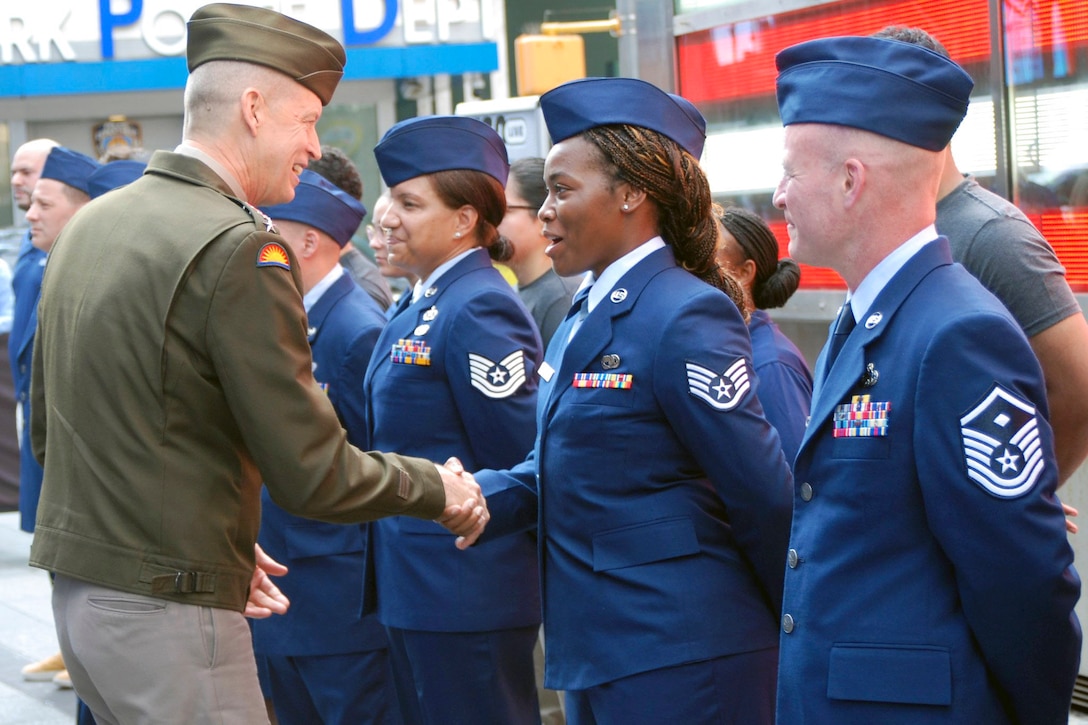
(843, 326)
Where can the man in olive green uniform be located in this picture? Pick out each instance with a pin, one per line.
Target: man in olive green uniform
(172, 374)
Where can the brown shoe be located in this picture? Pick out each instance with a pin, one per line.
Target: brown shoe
(44, 670)
(63, 680)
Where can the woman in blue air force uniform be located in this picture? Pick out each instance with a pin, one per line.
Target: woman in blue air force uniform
(454, 374)
(664, 496)
(748, 249)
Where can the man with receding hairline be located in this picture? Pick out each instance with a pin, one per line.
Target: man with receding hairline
(172, 375)
(928, 577)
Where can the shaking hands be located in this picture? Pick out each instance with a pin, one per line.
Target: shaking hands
(466, 510)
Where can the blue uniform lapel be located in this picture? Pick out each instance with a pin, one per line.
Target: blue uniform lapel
(596, 330)
(317, 314)
(831, 388)
(403, 322)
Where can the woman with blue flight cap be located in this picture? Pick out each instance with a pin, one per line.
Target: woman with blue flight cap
(660, 492)
(454, 374)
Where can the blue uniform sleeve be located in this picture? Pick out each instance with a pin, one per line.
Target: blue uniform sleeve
(512, 497)
(346, 392)
(704, 383)
(785, 395)
(991, 499)
(491, 361)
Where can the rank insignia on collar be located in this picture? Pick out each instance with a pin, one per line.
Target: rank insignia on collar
(497, 379)
(721, 391)
(273, 254)
(861, 418)
(1001, 444)
(268, 225)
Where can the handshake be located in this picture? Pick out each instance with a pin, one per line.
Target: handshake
(466, 510)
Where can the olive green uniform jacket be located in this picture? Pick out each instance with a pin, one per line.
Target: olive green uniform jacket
(172, 374)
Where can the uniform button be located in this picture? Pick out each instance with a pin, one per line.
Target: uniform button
(792, 559)
(787, 623)
(806, 491)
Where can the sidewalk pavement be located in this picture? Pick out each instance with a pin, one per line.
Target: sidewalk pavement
(26, 635)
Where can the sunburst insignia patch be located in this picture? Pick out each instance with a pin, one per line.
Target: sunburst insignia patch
(273, 254)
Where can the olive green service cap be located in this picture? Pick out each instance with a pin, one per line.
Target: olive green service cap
(224, 31)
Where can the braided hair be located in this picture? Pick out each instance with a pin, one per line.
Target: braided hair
(672, 178)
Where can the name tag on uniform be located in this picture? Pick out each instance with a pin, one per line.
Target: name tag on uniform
(546, 372)
(861, 418)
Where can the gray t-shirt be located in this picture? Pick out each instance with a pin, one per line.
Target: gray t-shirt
(548, 300)
(1003, 250)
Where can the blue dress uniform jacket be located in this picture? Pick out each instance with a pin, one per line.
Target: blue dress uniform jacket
(26, 282)
(785, 383)
(325, 561)
(474, 399)
(929, 578)
(664, 507)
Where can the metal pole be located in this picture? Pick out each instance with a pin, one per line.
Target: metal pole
(646, 42)
(1004, 172)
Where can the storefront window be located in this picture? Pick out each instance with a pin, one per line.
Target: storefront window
(1046, 51)
(729, 72)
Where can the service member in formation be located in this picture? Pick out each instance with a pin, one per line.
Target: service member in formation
(323, 661)
(929, 578)
(662, 490)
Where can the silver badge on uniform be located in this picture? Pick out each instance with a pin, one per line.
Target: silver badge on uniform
(618, 295)
(421, 330)
(497, 379)
(430, 314)
(874, 320)
(610, 361)
(1001, 444)
(721, 391)
(870, 377)
(430, 292)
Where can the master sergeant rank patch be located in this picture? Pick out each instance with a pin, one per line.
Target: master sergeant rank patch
(1001, 444)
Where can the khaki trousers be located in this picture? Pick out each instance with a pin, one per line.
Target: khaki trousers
(139, 659)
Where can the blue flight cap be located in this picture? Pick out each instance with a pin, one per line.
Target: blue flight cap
(586, 103)
(887, 87)
(69, 167)
(428, 144)
(108, 177)
(321, 204)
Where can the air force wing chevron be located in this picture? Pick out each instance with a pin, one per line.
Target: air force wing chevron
(497, 379)
(1001, 444)
(721, 391)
